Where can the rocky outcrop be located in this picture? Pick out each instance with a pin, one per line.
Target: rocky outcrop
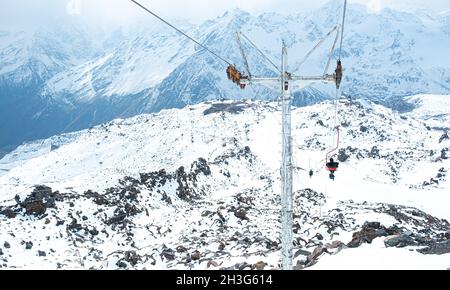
(444, 137)
(233, 108)
(369, 232)
(40, 200)
(439, 248)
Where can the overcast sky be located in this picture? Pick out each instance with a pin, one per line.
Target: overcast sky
(33, 12)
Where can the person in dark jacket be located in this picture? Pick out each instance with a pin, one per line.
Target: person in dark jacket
(338, 74)
(332, 166)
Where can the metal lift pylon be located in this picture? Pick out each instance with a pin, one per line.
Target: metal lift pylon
(286, 81)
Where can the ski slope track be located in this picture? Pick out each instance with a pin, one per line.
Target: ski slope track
(199, 188)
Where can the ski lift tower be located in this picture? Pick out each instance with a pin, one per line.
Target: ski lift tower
(287, 81)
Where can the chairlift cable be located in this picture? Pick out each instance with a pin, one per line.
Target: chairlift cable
(342, 29)
(314, 49)
(180, 31)
(260, 51)
(244, 57)
(331, 53)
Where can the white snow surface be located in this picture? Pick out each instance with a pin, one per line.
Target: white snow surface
(434, 109)
(391, 161)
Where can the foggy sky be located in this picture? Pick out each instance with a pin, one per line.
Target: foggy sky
(32, 13)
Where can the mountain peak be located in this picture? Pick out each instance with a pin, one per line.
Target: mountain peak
(236, 12)
(234, 19)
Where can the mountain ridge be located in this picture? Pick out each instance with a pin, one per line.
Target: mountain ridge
(156, 68)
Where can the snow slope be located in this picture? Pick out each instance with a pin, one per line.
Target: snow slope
(434, 109)
(199, 187)
(376, 257)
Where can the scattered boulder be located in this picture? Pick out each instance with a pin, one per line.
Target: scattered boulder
(369, 232)
(246, 152)
(28, 245)
(299, 266)
(168, 254)
(302, 253)
(181, 249)
(335, 245)
(244, 266)
(345, 124)
(375, 152)
(245, 198)
(444, 153)
(319, 236)
(98, 198)
(399, 241)
(74, 225)
(440, 248)
(363, 129)
(259, 266)
(233, 108)
(196, 256)
(131, 257)
(207, 213)
(201, 166)
(434, 181)
(212, 263)
(8, 212)
(94, 232)
(35, 208)
(42, 253)
(343, 156)
(444, 137)
(241, 213)
(166, 198)
(315, 255)
(6, 245)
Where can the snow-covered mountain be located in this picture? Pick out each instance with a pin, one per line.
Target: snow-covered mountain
(198, 188)
(150, 67)
(433, 109)
(27, 61)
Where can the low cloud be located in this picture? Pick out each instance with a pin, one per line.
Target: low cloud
(27, 13)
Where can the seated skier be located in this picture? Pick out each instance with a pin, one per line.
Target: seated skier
(332, 166)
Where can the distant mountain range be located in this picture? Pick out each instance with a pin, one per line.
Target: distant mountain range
(66, 78)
